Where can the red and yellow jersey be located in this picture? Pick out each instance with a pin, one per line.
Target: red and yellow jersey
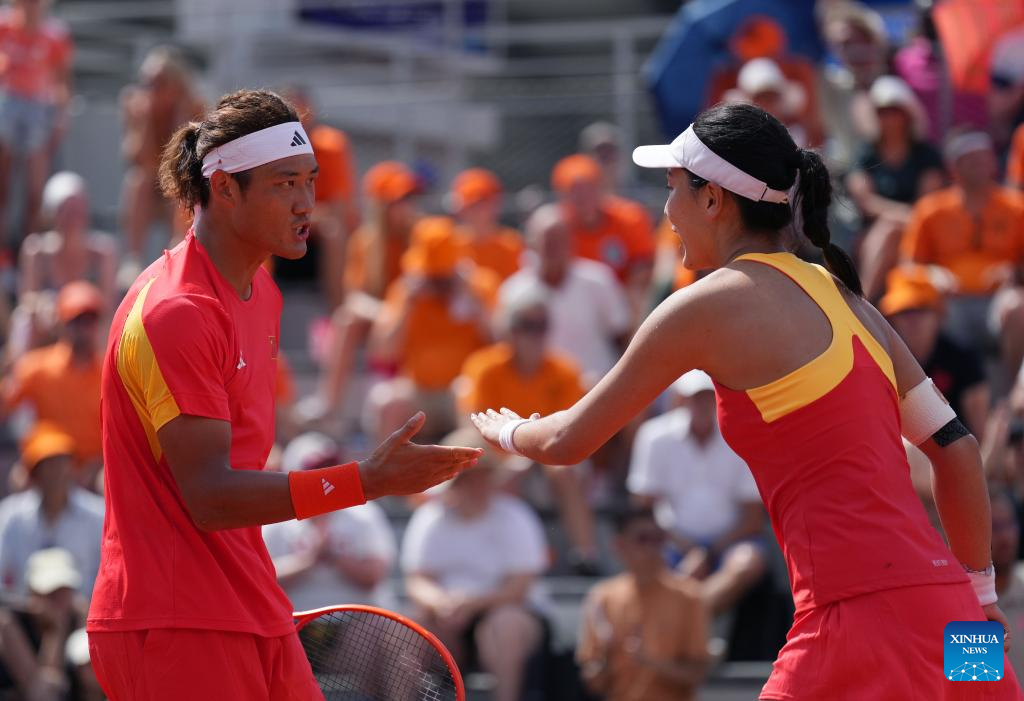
(823, 443)
(183, 342)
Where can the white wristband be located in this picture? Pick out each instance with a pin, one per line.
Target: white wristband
(984, 587)
(507, 433)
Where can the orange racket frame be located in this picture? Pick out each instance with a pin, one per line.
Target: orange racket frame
(302, 618)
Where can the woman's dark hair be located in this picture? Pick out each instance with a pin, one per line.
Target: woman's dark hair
(757, 143)
(237, 114)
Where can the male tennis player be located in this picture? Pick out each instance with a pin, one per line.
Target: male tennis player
(186, 605)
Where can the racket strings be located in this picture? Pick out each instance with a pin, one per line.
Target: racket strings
(361, 656)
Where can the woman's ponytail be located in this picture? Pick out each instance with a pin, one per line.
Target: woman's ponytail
(814, 194)
(181, 168)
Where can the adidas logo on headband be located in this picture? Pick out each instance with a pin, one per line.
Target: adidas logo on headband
(257, 148)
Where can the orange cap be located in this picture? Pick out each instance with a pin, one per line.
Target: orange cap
(46, 441)
(474, 185)
(435, 250)
(390, 181)
(758, 37)
(573, 169)
(909, 287)
(77, 298)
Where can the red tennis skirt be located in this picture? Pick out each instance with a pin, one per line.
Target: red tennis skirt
(182, 663)
(882, 646)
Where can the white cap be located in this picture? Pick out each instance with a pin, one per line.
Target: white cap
(693, 382)
(891, 91)
(309, 450)
(1008, 57)
(760, 75)
(59, 188)
(51, 569)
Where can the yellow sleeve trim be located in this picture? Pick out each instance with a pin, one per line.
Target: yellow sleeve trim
(141, 376)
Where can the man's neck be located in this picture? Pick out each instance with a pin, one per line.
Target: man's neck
(645, 580)
(234, 259)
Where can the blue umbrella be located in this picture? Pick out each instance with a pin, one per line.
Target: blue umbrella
(696, 45)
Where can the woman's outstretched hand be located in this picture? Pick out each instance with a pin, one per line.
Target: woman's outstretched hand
(490, 422)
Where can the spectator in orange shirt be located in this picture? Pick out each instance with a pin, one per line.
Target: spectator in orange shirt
(521, 373)
(35, 72)
(372, 263)
(1015, 162)
(164, 98)
(616, 232)
(433, 318)
(475, 200)
(336, 213)
(644, 633)
(975, 229)
(62, 382)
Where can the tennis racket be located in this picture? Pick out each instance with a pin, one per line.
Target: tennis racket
(364, 653)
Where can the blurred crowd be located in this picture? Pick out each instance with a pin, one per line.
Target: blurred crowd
(518, 300)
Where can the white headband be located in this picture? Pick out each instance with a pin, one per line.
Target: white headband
(688, 151)
(967, 143)
(258, 148)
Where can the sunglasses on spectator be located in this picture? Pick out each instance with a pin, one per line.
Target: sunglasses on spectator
(531, 326)
(647, 537)
(86, 318)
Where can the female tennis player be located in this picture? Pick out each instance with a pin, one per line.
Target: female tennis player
(814, 389)
(186, 604)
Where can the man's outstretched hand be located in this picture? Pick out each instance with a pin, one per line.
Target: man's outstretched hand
(399, 467)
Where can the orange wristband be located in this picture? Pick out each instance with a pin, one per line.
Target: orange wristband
(316, 492)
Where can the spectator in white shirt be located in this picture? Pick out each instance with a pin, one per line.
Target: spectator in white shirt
(342, 557)
(52, 513)
(702, 492)
(590, 313)
(471, 558)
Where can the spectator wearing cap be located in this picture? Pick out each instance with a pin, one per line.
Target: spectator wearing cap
(702, 493)
(475, 200)
(34, 633)
(52, 512)
(69, 250)
(61, 382)
(372, 263)
(589, 314)
(471, 559)
(433, 318)
(602, 228)
(856, 37)
(50, 259)
(602, 141)
(343, 556)
(892, 172)
(1006, 93)
(761, 82)
(644, 633)
(913, 304)
(975, 229)
(336, 211)
(522, 374)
